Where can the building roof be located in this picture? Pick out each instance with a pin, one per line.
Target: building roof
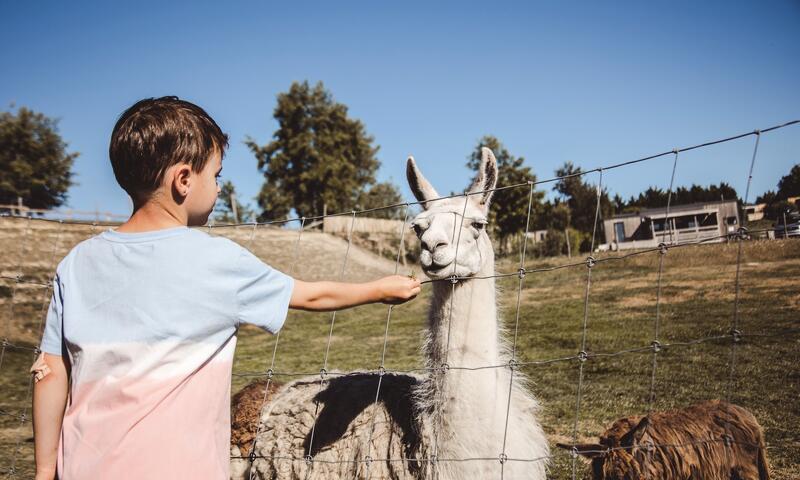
(675, 209)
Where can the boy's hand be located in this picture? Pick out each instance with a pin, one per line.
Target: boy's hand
(397, 289)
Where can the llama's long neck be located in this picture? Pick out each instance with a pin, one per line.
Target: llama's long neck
(466, 407)
(463, 322)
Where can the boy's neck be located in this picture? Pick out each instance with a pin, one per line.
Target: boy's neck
(154, 215)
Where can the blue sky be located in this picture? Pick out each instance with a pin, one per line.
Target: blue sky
(590, 82)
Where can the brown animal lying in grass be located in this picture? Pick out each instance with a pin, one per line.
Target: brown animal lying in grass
(246, 411)
(713, 440)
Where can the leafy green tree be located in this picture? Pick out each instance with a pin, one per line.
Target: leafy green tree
(34, 163)
(319, 157)
(223, 210)
(380, 195)
(581, 198)
(789, 185)
(509, 211)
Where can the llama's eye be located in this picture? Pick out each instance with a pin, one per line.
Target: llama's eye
(417, 229)
(478, 225)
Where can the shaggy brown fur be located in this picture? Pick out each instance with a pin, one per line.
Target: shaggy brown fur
(246, 412)
(713, 440)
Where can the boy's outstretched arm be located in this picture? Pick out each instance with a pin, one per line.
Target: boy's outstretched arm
(49, 402)
(326, 296)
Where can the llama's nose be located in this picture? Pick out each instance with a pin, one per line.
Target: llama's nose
(432, 244)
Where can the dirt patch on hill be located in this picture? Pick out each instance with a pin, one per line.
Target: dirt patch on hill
(32, 249)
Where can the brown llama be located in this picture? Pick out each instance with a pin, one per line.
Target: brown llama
(245, 413)
(712, 440)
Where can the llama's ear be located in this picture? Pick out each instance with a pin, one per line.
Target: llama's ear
(588, 450)
(486, 179)
(634, 437)
(420, 187)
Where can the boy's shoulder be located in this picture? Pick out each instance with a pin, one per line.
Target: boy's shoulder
(191, 240)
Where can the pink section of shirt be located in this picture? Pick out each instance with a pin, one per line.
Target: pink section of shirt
(143, 428)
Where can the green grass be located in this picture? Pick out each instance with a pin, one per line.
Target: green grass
(697, 301)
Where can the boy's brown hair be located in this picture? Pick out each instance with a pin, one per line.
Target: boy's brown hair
(156, 133)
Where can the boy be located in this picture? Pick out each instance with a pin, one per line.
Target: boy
(134, 378)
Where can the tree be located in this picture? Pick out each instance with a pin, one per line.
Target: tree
(34, 163)
(654, 197)
(223, 210)
(380, 195)
(789, 185)
(509, 211)
(319, 157)
(581, 197)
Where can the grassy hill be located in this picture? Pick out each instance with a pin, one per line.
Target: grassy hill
(697, 303)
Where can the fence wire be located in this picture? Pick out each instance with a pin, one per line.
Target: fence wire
(655, 348)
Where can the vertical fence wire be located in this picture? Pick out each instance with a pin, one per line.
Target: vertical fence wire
(656, 344)
(512, 362)
(582, 355)
(735, 332)
(324, 371)
(271, 369)
(382, 367)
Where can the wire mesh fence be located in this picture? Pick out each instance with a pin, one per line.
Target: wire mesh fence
(622, 337)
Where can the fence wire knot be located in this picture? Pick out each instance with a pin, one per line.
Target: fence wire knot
(662, 248)
(503, 458)
(512, 364)
(381, 371)
(445, 367)
(432, 459)
(583, 356)
(573, 451)
(590, 261)
(656, 346)
(18, 277)
(736, 334)
(741, 233)
(453, 279)
(367, 460)
(270, 373)
(521, 273)
(309, 459)
(252, 456)
(5, 343)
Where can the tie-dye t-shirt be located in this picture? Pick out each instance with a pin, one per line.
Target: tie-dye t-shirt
(148, 322)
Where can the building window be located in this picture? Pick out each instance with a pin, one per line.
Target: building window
(709, 220)
(619, 231)
(686, 221)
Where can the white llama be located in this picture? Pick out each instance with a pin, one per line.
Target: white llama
(450, 424)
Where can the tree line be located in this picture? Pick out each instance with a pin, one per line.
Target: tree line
(321, 160)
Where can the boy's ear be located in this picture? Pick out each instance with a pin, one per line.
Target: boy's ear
(181, 179)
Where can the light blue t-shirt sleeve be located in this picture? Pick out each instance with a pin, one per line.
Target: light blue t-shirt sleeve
(52, 341)
(263, 293)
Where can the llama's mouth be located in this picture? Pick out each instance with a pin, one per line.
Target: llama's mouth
(436, 270)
